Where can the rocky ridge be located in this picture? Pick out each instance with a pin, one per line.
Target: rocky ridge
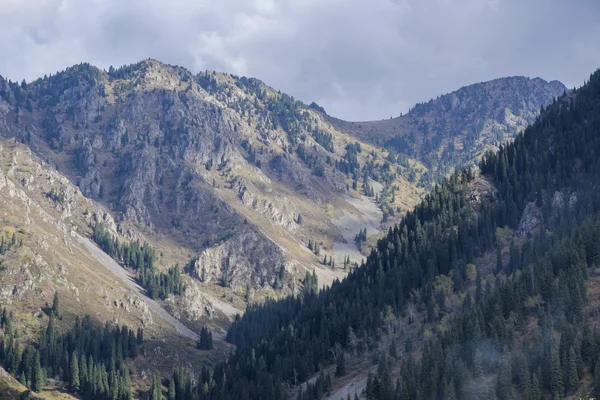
(457, 128)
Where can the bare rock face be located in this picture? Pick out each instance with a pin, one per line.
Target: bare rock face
(532, 215)
(560, 197)
(193, 304)
(244, 259)
(277, 210)
(150, 142)
(531, 218)
(41, 211)
(222, 166)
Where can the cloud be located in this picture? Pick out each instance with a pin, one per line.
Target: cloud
(360, 59)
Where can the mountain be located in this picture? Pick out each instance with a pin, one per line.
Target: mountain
(219, 173)
(151, 198)
(202, 194)
(459, 127)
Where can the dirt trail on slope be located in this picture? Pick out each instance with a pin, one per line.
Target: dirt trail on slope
(124, 276)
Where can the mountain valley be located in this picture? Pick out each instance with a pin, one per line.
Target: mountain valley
(154, 198)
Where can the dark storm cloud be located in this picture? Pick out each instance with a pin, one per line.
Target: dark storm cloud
(360, 59)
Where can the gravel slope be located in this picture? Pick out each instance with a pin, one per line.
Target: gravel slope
(124, 276)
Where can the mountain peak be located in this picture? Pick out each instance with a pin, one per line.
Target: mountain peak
(151, 73)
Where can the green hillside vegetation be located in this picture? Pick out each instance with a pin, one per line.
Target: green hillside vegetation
(90, 361)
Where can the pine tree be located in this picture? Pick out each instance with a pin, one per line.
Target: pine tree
(38, 379)
(171, 395)
(74, 373)
(536, 388)
(504, 381)
(55, 305)
(572, 378)
(140, 336)
(449, 392)
(205, 341)
(340, 368)
(155, 388)
(477, 367)
(596, 391)
(83, 372)
(557, 388)
(225, 278)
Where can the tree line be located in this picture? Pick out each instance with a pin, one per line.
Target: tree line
(90, 361)
(140, 258)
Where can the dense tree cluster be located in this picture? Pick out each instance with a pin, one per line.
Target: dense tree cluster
(313, 246)
(141, 259)
(349, 163)
(547, 276)
(49, 90)
(325, 139)
(317, 107)
(89, 360)
(426, 263)
(361, 237)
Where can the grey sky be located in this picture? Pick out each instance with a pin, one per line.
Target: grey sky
(360, 59)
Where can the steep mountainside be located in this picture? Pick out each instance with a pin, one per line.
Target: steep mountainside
(457, 128)
(44, 250)
(221, 174)
(488, 289)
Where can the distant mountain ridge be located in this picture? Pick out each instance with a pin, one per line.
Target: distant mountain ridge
(458, 127)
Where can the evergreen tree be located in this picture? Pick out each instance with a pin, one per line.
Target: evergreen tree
(172, 393)
(340, 368)
(556, 380)
(572, 376)
(155, 392)
(38, 379)
(55, 305)
(596, 392)
(499, 265)
(74, 373)
(205, 341)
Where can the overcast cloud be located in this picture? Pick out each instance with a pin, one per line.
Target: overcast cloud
(360, 59)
